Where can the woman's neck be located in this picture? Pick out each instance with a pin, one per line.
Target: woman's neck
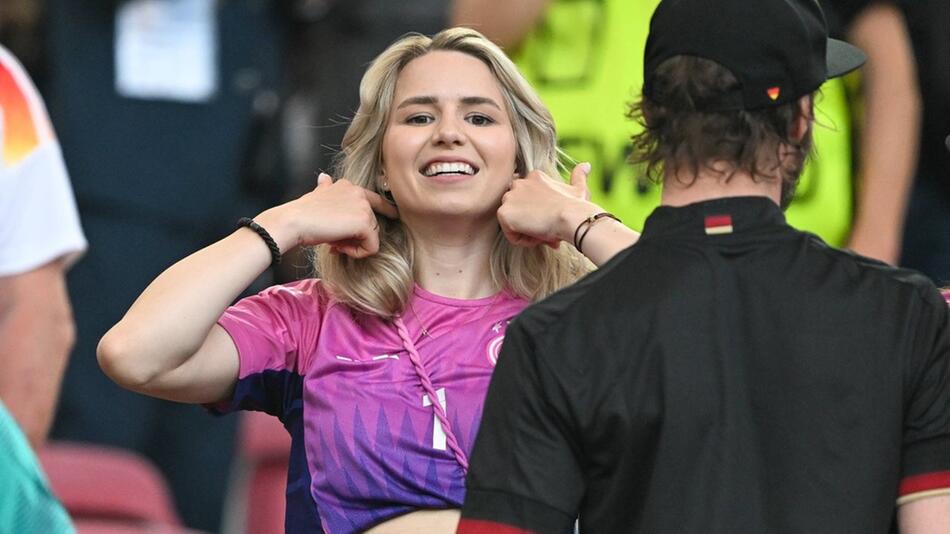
(453, 260)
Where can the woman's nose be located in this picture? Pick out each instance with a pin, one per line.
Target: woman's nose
(448, 132)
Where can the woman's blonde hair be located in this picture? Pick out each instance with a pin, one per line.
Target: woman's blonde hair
(382, 283)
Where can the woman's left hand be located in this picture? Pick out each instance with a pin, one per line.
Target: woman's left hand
(540, 209)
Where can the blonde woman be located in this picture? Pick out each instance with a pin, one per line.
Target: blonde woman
(379, 368)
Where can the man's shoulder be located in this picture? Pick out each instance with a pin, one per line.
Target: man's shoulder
(899, 278)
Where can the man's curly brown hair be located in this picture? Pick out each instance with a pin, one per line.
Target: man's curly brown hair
(678, 134)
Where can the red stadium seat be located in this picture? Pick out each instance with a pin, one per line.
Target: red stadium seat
(109, 491)
(265, 449)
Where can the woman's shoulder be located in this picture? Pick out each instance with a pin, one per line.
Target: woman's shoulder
(307, 287)
(308, 295)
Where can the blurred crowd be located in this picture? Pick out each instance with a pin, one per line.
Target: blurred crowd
(177, 117)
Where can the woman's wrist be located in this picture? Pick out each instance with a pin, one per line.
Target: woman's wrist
(280, 227)
(572, 215)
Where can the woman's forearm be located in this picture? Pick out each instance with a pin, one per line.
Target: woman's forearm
(171, 319)
(166, 344)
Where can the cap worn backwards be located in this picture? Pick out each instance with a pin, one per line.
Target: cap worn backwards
(778, 50)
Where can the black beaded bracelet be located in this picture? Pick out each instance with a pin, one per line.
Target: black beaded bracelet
(589, 223)
(271, 244)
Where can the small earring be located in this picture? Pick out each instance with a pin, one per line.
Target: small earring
(385, 185)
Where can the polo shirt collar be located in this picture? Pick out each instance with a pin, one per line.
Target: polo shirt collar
(717, 217)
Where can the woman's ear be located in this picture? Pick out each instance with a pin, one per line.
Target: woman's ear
(383, 184)
(520, 167)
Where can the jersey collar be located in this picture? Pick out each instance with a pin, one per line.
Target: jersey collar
(715, 218)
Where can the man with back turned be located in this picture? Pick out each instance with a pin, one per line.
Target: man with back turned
(728, 373)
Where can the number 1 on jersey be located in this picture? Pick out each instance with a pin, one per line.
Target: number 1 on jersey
(438, 435)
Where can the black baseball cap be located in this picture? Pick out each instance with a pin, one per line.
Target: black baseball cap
(779, 50)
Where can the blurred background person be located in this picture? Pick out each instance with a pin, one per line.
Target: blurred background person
(885, 108)
(927, 235)
(584, 57)
(157, 104)
(40, 237)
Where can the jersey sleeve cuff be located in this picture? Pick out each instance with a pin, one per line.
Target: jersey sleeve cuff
(918, 487)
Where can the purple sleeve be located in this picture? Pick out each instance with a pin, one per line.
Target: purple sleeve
(275, 333)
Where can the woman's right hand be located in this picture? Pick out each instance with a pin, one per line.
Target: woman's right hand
(336, 213)
(168, 344)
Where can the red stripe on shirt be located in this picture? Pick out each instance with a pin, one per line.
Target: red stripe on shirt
(926, 482)
(477, 526)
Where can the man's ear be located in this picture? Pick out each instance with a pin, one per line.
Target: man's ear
(806, 115)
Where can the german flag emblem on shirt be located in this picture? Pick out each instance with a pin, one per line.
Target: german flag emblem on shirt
(718, 224)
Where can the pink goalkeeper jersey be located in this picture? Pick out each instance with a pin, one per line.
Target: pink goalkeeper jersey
(366, 445)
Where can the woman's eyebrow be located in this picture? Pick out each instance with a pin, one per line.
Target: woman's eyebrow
(418, 100)
(480, 100)
(431, 100)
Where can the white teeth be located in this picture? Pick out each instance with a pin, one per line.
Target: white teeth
(448, 168)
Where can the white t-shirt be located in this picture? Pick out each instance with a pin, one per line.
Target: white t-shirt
(39, 221)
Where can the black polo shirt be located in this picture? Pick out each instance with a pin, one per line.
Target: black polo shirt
(726, 374)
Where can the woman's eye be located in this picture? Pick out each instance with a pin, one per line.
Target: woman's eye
(419, 119)
(480, 120)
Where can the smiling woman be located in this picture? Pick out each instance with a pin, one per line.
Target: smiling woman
(455, 98)
(443, 223)
(448, 153)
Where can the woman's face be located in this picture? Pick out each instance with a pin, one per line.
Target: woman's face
(449, 147)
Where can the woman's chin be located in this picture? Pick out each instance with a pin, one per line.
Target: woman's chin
(451, 207)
